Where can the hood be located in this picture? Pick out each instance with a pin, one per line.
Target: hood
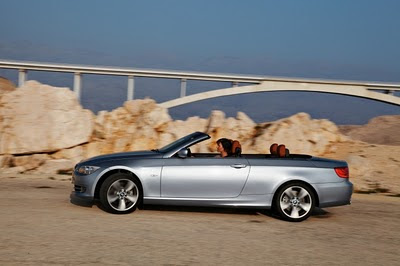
(123, 155)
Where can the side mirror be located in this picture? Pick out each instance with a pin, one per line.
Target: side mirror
(184, 153)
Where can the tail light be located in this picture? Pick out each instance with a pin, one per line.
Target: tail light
(342, 172)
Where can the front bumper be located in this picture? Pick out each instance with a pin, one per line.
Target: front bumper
(82, 192)
(78, 199)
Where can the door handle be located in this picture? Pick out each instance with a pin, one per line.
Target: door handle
(238, 165)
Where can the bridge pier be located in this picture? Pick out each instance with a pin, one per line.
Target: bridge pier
(77, 85)
(131, 88)
(183, 88)
(22, 76)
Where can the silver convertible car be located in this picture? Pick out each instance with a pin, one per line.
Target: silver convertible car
(292, 185)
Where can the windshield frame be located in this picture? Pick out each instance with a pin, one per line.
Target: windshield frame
(183, 142)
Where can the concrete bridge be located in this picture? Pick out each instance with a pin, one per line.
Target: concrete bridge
(379, 91)
(269, 86)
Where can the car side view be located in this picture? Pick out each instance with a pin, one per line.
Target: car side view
(292, 185)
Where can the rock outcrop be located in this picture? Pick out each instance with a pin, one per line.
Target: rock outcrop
(6, 86)
(45, 130)
(38, 118)
(300, 134)
(135, 126)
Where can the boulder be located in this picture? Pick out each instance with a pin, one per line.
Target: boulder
(216, 128)
(30, 162)
(96, 148)
(142, 141)
(38, 118)
(135, 126)
(75, 154)
(241, 128)
(299, 133)
(147, 112)
(244, 127)
(13, 170)
(138, 108)
(165, 139)
(6, 161)
(61, 166)
(215, 121)
(6, 86)
(179, 128)
(122, 144)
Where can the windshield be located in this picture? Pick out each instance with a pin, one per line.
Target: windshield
(178, 143)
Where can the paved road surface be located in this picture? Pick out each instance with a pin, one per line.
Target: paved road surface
(38, 226)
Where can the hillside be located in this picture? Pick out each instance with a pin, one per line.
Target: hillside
(383, 130)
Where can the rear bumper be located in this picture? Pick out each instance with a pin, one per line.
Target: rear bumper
(334, 194)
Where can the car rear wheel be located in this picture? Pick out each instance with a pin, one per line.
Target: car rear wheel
(295, 202)
(120, 194)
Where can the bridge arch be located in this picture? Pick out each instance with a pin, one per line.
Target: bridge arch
(269, 86)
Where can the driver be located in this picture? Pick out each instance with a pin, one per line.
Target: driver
(224, 147)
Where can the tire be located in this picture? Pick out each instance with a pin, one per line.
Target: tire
(120, 194)
(294, 202)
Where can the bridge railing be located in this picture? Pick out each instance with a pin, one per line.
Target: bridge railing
(78, 70)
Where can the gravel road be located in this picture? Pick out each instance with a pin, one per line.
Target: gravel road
(39, 226)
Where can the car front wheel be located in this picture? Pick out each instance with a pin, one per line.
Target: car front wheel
(120, 194)
(295, 202)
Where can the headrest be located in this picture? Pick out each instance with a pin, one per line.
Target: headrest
(236, 148)
(273, 149)
(282, 151)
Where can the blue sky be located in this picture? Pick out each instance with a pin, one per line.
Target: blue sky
(353, 40)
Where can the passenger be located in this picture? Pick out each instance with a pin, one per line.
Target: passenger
(224, 147)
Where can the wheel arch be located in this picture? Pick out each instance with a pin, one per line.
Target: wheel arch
(296, 181)
(110, 173)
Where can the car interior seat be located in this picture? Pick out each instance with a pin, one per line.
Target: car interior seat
(236, 148)
(273, 149)
(282, 151)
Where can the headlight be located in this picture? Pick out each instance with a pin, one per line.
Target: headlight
(87, 170)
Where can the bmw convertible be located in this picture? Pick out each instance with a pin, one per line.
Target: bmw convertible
(291, 185)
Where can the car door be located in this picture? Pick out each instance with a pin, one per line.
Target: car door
(203, 177)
